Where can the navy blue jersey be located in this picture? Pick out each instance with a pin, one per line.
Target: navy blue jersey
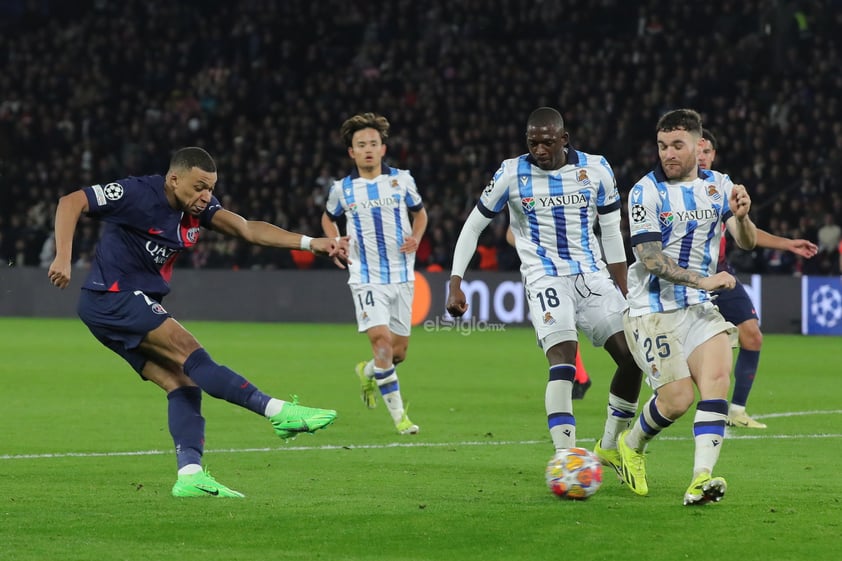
(141, 236)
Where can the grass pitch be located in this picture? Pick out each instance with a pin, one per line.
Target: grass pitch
(86, 463)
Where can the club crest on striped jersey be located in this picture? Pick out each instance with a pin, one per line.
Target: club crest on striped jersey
(713, 193)
(395, 184)
(582, 177)
(528, 204)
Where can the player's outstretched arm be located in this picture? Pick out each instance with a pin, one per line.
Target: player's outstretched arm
(70, 208)
(269, 235)
(804, 248)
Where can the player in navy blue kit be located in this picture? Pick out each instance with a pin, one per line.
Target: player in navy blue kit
(736, 306)
(147, 222)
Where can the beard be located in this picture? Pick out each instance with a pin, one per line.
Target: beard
(677, 171)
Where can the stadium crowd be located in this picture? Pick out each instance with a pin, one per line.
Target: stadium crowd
(97, 89)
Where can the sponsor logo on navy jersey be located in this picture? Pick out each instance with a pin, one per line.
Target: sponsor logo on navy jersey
(159, 253)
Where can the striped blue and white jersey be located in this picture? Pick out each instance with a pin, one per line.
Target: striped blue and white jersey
(552, 212)
(377, 213)
(687, 219)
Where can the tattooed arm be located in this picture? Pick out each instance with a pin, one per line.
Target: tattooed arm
(657, 263)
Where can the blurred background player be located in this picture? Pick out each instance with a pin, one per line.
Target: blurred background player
(678, 336)
(147, 222)
(377, 202)
(736, 305)
(555, 194)
(582, 382)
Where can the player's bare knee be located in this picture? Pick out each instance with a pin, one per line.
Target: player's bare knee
(675, 403)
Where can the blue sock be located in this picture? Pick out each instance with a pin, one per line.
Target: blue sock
(223, 383)
(187, 426)
(744, 373)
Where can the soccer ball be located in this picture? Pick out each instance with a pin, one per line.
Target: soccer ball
(574, 473)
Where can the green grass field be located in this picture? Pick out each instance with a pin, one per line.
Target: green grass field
(86, 464)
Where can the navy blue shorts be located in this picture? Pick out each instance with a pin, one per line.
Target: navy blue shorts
(735, 305)
(120, 321)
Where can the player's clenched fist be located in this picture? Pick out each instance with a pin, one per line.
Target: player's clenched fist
(456, 304)
(739, 202)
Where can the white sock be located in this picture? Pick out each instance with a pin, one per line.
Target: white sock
(387, 379)
(368, 369)
(736, 409)
(190, 469)
(558, 397)
(620, 415)
(274, 407)
(558, 401)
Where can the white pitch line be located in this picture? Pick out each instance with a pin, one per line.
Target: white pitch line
(798, 414)
(731, 436)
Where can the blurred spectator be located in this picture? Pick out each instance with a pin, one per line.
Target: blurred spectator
(264, 83)
(829, 234)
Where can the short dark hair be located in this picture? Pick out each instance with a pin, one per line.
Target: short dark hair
(680, 119)
(362, 121)
(707, 135)
(545, 117)
(193, 157)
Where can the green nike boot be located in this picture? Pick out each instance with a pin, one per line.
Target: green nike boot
(202, 484)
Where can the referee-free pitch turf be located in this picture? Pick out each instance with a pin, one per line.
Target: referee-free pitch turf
(86, 460)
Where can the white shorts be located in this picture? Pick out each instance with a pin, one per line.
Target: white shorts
(560, 306)
(661, 342)
(384, 304)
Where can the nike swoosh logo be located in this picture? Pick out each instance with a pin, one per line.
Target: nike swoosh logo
(155, 231)
(213, 492)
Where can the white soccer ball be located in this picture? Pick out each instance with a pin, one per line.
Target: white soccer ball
(574, 473)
